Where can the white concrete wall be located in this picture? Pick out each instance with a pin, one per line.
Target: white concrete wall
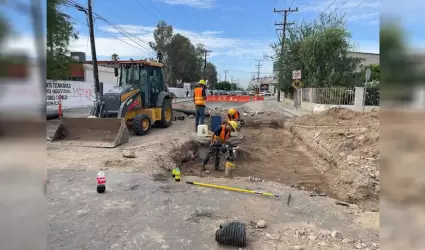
(73, 94)
(179, 92)
(106, 75)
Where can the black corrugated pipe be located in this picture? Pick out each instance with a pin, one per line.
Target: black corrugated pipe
(231, 234)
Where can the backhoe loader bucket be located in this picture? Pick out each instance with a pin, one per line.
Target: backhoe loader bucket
(91, 132)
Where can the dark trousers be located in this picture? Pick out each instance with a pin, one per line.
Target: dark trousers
(214, 150)
(200, 116)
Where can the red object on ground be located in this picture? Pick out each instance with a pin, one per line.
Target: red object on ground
(60, 109)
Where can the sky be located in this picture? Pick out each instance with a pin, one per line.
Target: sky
(238, 32)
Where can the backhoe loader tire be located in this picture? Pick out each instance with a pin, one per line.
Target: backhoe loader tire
(141, 124)
(166, 114)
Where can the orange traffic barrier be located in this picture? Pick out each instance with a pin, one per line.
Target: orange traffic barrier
(220, 98)
(244, 99)
(258, 98)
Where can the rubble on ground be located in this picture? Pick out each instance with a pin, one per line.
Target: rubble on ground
(349, 141)
(307, 238)
(128, 154)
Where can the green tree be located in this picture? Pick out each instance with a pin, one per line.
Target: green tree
(223, 85)
(211, 75)
(163, 36)
(320, 50)
(115, 57)
(183, 60)
(60, 32)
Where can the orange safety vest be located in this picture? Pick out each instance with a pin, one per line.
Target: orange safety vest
(199, 99)
(224, 135)
(234, 117)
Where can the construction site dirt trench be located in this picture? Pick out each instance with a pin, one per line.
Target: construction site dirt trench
(268, 154)
(333, 153)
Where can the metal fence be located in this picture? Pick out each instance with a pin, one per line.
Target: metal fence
(372, 96)
(332, 96)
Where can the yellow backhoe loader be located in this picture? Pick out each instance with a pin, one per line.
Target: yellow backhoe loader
(140, 100)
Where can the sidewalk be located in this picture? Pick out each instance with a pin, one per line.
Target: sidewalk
(288, 106)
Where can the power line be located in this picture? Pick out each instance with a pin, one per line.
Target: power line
(123, 32)
(329, 6)
(291, 4)
(149, 1)
(340, 5)
(147, 9)
(106, 33)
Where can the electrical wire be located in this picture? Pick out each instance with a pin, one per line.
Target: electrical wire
(291, 4)
(144, 7)
(123, 32)
(106, 33)
(329, 6)
(340, 5)
(160, 12)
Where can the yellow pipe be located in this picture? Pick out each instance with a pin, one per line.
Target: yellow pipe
(231, 188)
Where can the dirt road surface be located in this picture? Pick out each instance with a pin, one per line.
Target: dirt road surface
(141, 211)
(145, 209)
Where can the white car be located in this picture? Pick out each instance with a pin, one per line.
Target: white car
(267, 93)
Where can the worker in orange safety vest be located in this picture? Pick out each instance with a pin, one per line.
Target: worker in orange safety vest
(199, 98)
(220, 136)
(233, 114)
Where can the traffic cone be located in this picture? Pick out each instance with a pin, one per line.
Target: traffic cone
(60, 109)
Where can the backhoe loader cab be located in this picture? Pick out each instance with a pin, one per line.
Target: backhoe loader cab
(140, 100)
(141, 97)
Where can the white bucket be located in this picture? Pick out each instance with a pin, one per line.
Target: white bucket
(202, 130)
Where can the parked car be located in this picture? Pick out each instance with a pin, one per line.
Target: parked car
(244, 93)
(251, 93)
(267, 93)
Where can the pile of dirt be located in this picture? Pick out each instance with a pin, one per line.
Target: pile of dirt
(348, 140)
(339, 117)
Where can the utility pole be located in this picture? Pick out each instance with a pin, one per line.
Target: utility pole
(258, 69)
(285, 24)
(231, 83)
(257, 87)
(205, 63)
(93, 50)
(225, 75)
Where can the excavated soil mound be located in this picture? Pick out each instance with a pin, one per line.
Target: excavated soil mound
(348, 140)
(338, 117)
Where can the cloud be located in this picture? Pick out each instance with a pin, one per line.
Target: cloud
(366, 11)
(200, 4)
(342, 5)
(213, 40)
(369, 18)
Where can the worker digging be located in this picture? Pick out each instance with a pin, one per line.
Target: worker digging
(219, 143)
